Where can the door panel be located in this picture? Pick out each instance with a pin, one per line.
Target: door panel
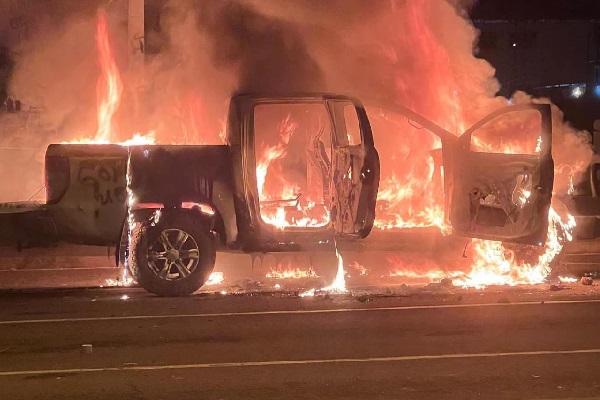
(355, 170)
(502, 176)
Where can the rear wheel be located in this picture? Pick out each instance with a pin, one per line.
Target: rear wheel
(175, 256)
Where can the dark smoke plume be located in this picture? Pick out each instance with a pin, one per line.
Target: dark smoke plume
(266, 54)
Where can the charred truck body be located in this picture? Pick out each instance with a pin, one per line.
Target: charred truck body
(168, 209)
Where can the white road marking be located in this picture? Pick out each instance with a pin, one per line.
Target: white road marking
(297, 362)
(290, 312)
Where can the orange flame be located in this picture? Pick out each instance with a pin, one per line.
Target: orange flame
(362, 271)
(291, 273)
(338, 286)
(287, 127)
(409, 194)
(110, 87)
(108, 90)
(280, 205)
(215, 278)
(495, 265)
(567, 279)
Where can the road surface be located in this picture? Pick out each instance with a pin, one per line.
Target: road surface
(278, 346)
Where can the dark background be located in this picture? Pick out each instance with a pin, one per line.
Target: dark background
(549, 48)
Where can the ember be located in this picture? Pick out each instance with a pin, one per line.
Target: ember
(215, 278)
(291, 273)
(567, 279)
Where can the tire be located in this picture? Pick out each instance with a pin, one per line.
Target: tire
(126, 250)
(175, 256)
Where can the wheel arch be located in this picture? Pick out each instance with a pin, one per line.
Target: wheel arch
(204, 211)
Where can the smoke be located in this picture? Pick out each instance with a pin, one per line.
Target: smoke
(266, 54)
(54, 76)
(209, 51)
(415, 53)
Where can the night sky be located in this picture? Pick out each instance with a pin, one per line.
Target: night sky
(520, 10)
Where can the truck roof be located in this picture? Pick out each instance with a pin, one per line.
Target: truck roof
(292, 96)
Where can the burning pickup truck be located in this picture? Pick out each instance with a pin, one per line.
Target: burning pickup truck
(169, 208)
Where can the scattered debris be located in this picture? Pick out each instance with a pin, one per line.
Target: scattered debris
(363, 298)
(446, 282)
(554, 288)
(587, 280)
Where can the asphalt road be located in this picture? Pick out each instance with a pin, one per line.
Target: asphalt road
(277, 346)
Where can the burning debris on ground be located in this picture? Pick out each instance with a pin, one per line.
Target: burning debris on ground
(423, 89)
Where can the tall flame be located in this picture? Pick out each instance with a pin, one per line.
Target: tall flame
(280, 204)
(338, 286)
(108, 91)
(287, 127)
(410, 194)
(110, 87)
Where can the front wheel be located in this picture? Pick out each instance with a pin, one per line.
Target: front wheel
(175, 256)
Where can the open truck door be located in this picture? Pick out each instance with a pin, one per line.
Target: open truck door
(355, 170)
(502, 175)
(305, 167)
(498, 175)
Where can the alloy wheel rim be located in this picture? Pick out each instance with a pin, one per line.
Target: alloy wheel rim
(174, 255)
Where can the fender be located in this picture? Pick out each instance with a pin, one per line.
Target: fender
(186, 177)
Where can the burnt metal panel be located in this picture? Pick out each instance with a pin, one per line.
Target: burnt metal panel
(482, 203)
(170, 175)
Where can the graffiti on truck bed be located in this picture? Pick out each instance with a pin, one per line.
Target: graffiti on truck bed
(107, 177)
